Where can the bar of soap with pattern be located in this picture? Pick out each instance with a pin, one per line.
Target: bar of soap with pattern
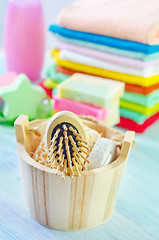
(91, 90)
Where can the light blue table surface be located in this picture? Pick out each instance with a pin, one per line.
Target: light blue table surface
(136, 213)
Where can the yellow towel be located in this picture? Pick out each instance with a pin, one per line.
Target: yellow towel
(148, 111)
(49, 83)
(142, 81)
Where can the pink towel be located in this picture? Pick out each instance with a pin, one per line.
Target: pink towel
(134, 20)
(124, 61)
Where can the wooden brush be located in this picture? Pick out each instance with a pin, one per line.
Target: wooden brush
(67, 143)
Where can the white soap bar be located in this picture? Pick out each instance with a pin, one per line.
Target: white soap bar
(103, 152)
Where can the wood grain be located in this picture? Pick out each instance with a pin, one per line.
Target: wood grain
(136, 212)
(71, 204)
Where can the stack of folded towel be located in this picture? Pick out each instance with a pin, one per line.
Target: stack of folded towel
(89, 95)
(53, 78)
(120, 43)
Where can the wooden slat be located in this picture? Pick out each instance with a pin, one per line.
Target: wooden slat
(79, 203)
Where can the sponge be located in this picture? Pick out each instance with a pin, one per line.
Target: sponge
(103, 153)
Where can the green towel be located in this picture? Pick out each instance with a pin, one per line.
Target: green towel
(144, 100)
(57, 77)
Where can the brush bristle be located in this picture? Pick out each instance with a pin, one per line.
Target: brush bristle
(67, 149)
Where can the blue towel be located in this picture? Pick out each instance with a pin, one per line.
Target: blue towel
(116, 51)
(105, 40)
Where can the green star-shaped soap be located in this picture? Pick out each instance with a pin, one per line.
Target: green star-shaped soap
(21, 97)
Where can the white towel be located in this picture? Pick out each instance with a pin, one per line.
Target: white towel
(83, 59)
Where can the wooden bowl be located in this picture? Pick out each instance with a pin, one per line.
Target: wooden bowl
(71, 204)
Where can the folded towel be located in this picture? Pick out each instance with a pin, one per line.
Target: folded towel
(47, 90)
(90, 61)
(144, 100)
(128, 87)
(67, 71)
(115, 51)
(51, 73)
(105, 73)
(133, 126)
(135, 116)
(104, 40)
(148, 111)
(124, 61)
(131, 20)
(141, 90)
(50, 84)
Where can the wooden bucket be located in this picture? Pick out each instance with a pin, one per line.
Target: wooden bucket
(71, 204)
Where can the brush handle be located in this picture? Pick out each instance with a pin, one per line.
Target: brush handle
(62, 117)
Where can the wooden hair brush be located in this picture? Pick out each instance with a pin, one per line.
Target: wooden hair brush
(67, 143)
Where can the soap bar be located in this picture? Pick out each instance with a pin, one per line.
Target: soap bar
(79, 108)
(21, 97)
(113, 109)
(92, 90)
(112, 120)
(7, 79)
(113, 116)
(128, 87)
(103, 153)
